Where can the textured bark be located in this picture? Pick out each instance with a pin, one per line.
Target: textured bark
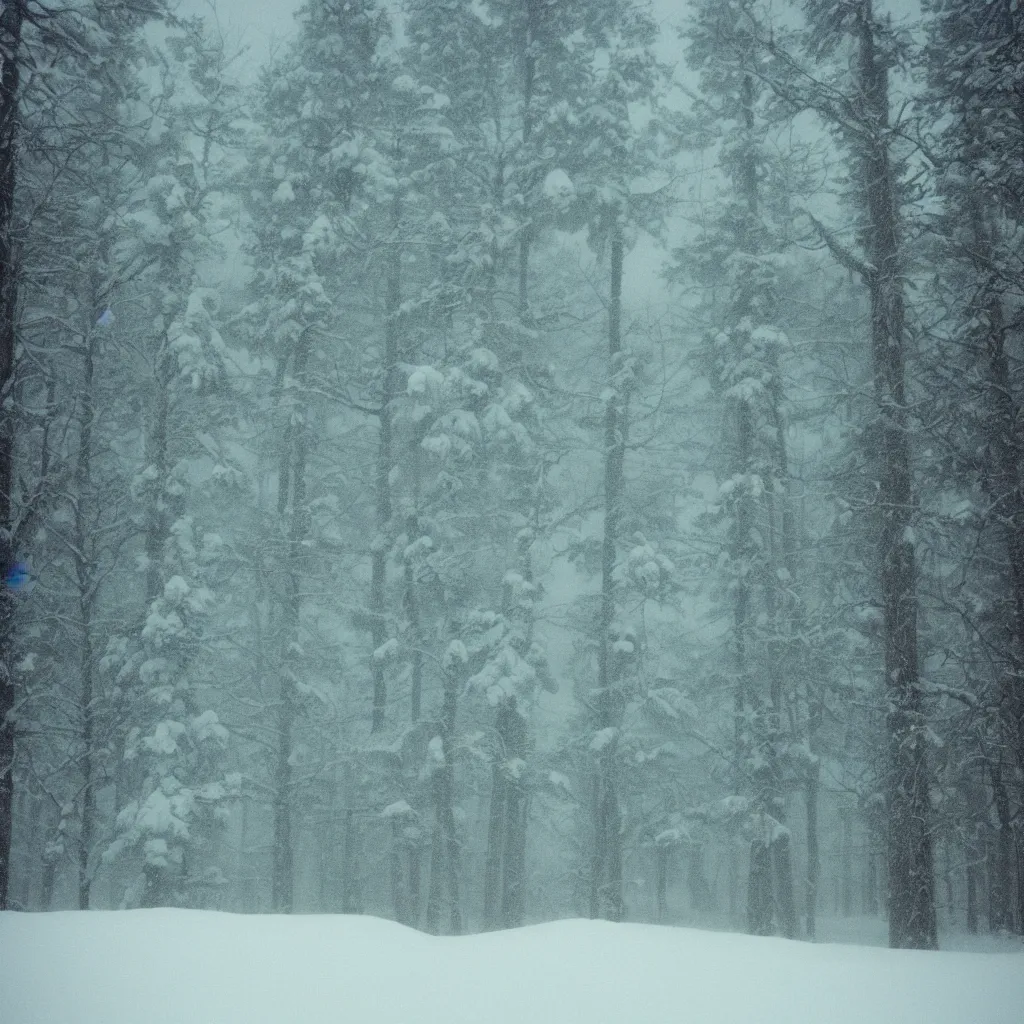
(1000, 871)
(910, 860)
(11, 18)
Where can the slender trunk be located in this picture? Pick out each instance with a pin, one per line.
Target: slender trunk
(911, 870)
(783, 611)
(415, 873)
(661, 852)
(759, 887)
(385, 463)
(293, 511)
(11, 18)
(84, 568)
(972, 857)
(495, 833)
(529, 76)
(435, 884)
(1001, 866)
(414, 617)
(50, 859)
(606, 867)
(1018, 838)
(351, 902)
(811, 788)
(701, 897)
(513, 839)
(785, 902)
(399, 904)
(846, 865)
(445, 847)
(156, 459)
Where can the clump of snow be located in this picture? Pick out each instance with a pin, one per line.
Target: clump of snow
(284, 193)
(423, 377)
(387, 651)
(455, 655)
(603, 738)
(170, 966)
(399, 809)
(558, 187)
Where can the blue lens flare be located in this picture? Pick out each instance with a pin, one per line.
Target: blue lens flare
(17, 576)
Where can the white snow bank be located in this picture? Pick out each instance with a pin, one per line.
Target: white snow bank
(190, 967)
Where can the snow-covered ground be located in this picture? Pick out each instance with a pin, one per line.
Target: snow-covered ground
(189, 967)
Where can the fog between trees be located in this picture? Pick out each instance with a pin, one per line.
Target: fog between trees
(515, 459)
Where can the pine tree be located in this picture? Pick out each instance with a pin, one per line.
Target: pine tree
(174, 785)
(741, 255)
(969, 53)
(856, 107)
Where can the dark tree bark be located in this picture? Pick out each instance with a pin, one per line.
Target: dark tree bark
(1001, 862)
(504, 866)
(606, 899)
(84, 572)
(911, 873)
(972, 861)
(11, 18)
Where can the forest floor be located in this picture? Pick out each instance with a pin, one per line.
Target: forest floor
(196, 967)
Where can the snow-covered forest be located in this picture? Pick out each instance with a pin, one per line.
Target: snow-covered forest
(483, 462)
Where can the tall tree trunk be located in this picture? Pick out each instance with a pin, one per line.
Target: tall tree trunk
(529, 77)
(398, 897)
(385, 463)
(445, 846)
(293, 510)
(11, 17)
(84, 572)
(606, 899)
(495, 834)
(972, 860)
(513, 890)
(911, 870)
(1001, 865)
(412, 610)
(811, 787)
(351, 894)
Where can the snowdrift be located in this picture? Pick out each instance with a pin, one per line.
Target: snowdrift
(189, 967)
